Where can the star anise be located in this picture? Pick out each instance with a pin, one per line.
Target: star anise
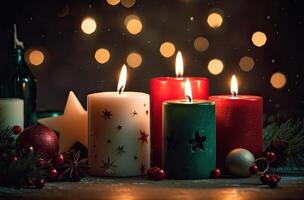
(73, 168)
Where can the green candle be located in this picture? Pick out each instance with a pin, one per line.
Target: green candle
(189, 138)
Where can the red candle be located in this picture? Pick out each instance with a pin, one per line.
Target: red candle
(239, 123)
(170, 88)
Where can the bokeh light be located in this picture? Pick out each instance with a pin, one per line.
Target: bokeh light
(128, 3)
(246, 63)
(259, 39)
(278, 80)
(134, 60)
(214, 20)
(102, 55)
(201, 44)
(113, 2)
(133, 24)
(88, 25)
(167, 49)
(36, 57)
(215, 66)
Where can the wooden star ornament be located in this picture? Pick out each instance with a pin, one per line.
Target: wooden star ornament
(72, 125)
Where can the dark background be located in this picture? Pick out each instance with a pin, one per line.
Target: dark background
(69, 53)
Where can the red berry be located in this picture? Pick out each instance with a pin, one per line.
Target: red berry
(17, 129)
(253, 169)
(151, 171)
(159, 174)
(39, 183)
(264, 179)
(270, 156)
(41, 163)
(13, 158)
(216, 173)
(277, 177)
(273, 181)
(58, 160)
(53, 174)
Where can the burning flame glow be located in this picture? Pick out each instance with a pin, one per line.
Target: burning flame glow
(122, 79)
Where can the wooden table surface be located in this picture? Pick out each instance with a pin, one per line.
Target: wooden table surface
(290, 187)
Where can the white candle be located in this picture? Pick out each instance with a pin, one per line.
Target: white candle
(11, 112)
(119, 132)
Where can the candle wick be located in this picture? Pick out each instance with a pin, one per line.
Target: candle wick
(234, 94)
(189, 98)
(120, 89)
(179, 76)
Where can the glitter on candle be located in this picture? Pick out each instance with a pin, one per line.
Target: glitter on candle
(167, 49)
(88, 25)
(259, 39)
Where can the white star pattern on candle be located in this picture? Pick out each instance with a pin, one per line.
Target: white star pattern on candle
(72, 125)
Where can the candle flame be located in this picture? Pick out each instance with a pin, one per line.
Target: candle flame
(179, 65)
(122, 79)
(234, 86)
(188, 91)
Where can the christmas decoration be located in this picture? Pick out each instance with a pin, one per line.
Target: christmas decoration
(253, 169)
(285, 140)
(53, 174)
(156, 173)
(72, 125)
(43, 140)
(17, 129)
(273, 181)
(238, 162)
(19, 167)
(216, 173)
(73, 167)
(264, 179)
(270, 156)
(39, 182)
(58, 160)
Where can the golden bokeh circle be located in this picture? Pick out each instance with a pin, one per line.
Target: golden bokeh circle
(167, 49)
(113, 2)
(214, 20)
(215, 66)
(133, 24)
(134, 60)
(246, 63)
(259, 38)
(278, 80)
(102, 55)
(201, 44)
(128, 3)
(88, 25)
(36, 57)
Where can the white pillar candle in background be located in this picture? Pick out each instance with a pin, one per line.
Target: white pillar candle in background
(11, 112)
(119, 132)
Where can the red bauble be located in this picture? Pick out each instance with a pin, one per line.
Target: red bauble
(216, 173)
(264, 179)
(156, 173)
(53, 173)
(17, 129)
(39, 183)
(58, 160)
(253, 169)
(13, 158)
(273, 181)
(43, 140)
(270, 156)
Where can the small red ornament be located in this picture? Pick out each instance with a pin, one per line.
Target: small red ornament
(216, 173)
(28, 149)
(156, 173)
(264, 179)
(13, 158)
(58, 160)
(41, 163)
(53, 174)
(39, 183)
(273, 181)
(270, 156)
(43, 140)
(253, 169)
(17, 129)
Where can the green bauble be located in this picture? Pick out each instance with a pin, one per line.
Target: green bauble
(238, 162)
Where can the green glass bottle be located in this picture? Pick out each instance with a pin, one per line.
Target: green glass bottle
(17, 81)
